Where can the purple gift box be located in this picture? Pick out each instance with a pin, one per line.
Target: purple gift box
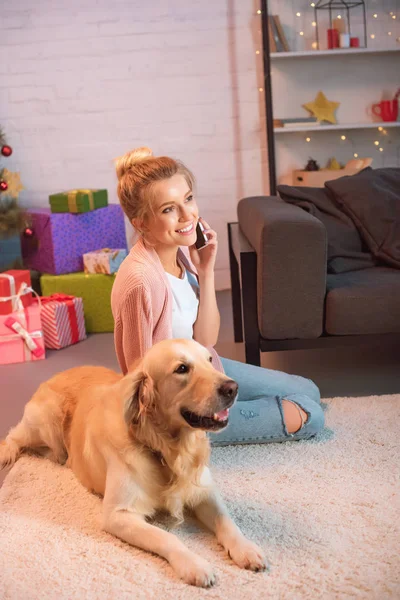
(60, 239)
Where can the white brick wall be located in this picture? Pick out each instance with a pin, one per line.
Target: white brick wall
(85, 81)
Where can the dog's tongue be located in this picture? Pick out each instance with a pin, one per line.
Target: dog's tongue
(223, 414)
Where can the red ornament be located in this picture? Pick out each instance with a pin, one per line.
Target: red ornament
(29, 232)
(3, 185)
(6, 150)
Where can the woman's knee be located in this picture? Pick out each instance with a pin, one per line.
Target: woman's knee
(315, 418)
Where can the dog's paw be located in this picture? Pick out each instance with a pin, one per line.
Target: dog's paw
(193, 569)
(248, 555)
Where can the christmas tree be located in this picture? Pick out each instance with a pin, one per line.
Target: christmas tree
(12, 218)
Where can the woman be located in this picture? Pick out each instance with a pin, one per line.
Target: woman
(159, 293)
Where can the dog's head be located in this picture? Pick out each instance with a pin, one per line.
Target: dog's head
(176, 384)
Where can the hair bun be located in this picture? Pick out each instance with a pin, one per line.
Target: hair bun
(125, 162)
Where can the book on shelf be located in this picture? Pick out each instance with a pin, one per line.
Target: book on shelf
(272, 41)
(296, 122)
(301, 124)
(276, 40)
(281, 34)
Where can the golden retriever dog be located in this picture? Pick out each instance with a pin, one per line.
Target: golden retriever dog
(140, 442)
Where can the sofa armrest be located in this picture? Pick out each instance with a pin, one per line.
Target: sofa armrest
(291, 247)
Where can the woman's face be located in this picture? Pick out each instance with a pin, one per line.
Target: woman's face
(174, 214)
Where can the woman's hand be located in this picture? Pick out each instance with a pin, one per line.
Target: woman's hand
(204, 259)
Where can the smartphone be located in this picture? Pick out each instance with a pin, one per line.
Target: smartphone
(202, 238)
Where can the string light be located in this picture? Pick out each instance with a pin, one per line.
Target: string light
(308, 139)
(298, 14)
(355, 155)
(339, 16)
(314, 45)
(380, 128)
(375, 16)
(376, 143)
(312, 4)
(257, 52)
(389, 33)
(260, 89)
(372, 36)
(393, 16)
(314, 24)
(343, 137)
(380, 149)
(259, 12)
(301, 32)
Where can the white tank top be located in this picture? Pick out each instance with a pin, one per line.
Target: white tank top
(185, 295)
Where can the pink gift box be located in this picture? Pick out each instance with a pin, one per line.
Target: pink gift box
(14, 347)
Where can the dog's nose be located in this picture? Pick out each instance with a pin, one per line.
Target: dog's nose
(228, 389)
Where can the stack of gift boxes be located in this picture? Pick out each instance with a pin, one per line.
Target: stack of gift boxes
(77, 246)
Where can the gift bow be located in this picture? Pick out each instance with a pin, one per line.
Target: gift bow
(14, 325)
(109, 251)
(69, 301)
(72, 197)
(57, 298)
(16, 303)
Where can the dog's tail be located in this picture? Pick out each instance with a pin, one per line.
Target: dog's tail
(11, 448)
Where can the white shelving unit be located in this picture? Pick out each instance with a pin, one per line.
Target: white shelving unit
(354, 77)
(323, 53)
(337, 127)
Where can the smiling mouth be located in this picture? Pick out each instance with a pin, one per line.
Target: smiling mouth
(217, 421)
(186, 230)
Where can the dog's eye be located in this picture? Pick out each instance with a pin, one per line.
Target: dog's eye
(210, 358)
(182, 369)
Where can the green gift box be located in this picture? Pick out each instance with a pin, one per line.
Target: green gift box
(95, 291)
(78, 201)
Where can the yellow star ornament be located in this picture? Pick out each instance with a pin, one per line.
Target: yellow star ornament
(322, 108)
(14, 184)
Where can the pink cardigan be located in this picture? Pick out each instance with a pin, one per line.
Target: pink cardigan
(141, 302)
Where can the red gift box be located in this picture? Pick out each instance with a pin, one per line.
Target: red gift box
(21, 336)
(10, 285)
(62, 320)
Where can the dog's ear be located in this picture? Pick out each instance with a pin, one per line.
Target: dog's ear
(140, 400)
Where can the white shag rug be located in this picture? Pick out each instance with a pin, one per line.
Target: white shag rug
(326, 511)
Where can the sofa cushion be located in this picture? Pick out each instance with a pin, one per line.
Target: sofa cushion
(372, 200)
(363, 302)
(346, 250)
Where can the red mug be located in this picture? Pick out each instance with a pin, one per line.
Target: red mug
(387, 110)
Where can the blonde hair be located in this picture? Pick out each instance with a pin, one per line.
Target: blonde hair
(137, 172)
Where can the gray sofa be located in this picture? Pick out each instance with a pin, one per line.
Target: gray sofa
(282, 293)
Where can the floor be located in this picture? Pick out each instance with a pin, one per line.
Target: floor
(355, 371)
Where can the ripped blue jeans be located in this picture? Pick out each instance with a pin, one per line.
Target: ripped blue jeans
(257, 415)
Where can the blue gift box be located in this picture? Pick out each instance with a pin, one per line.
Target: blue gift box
(10, 253)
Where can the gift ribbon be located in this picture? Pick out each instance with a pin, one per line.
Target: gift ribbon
(69, 301)
(72, 199)
(23, 333)
(13, 297)
(28, 337)
(109, 250)
(12, 338)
